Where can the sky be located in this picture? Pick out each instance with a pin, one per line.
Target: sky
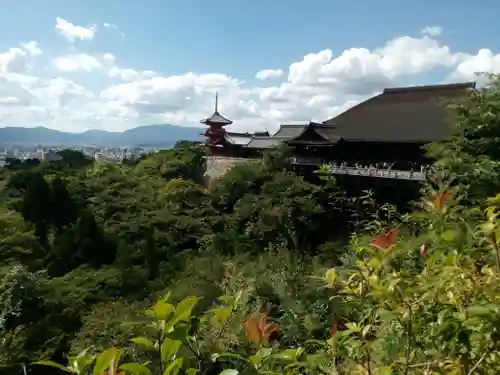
(75, 65)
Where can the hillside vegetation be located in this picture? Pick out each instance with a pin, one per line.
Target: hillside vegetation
(141, 269)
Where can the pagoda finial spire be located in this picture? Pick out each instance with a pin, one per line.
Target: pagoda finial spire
(216, 102)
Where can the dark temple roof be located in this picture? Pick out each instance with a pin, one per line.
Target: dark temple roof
(216, 118)
(260, 142)
(315, 134)
(290, 131)
(238, 139)
(408, 114)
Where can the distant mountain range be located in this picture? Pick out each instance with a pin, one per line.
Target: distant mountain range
(164, 135)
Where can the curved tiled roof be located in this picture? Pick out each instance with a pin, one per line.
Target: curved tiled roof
(290, 131)
(239, 139)
(408, 114)
(315, 133)
(216, 118)
(265, 142)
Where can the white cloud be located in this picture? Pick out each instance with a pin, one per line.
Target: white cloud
(112, 26)
(432, 31)
(9, 100)
(130, 74)
(269, 74)
(17, 59)
(316, 87)
(73, 32)
(77, 63)
(99, 62)
(483, 61)
(31, 48)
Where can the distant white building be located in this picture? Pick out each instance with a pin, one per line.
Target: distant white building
(3, 160)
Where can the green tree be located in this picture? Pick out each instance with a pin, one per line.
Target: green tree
(17, 243)
(91, 244)
(471, 156)
(184, 161)
(36, 206)
(63, 210)
(151, 253)
(62, 257)
(73, 159)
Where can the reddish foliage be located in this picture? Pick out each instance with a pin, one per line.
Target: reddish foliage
(334, 327)
(438, 201)
(258, 330)
(385, 241)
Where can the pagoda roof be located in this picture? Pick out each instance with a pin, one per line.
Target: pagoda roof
(408, 114)
(216, 118)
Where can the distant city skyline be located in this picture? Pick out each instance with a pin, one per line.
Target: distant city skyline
(152, 135)
(74, 66)
(114, 154)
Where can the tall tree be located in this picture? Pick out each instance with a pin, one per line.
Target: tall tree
(61, 257)
(63, 211)
(151, 253)
(36, 206)
(92, 246)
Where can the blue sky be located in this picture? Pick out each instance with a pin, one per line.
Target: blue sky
(234, 39)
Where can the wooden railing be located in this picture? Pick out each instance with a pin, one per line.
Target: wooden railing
(368, 171)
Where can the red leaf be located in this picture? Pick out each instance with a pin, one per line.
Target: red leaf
(258, 330)
(333, 327)
(385, 241)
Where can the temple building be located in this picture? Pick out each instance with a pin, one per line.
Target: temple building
(381, 137)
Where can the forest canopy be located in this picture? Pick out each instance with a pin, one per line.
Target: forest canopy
(143, 268)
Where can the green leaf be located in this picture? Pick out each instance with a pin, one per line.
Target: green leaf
(182, 312)
(216, 356)
(449, 235)
(191, 371)
(229, 372)
(289, 354)
(180, 332)
(105, 360)
(331, 276)
(261, 354)
(162, 310)
(174, 367)
(220, 315)
(51, 364)
(144, 341)
(80, 362)
(488, 311)
(169, 349)
(136, 369)
(386, 370)
(184, 308)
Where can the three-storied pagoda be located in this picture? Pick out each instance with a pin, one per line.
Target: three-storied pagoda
(215, 132)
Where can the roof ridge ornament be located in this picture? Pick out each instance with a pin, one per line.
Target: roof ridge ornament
(216, 118)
